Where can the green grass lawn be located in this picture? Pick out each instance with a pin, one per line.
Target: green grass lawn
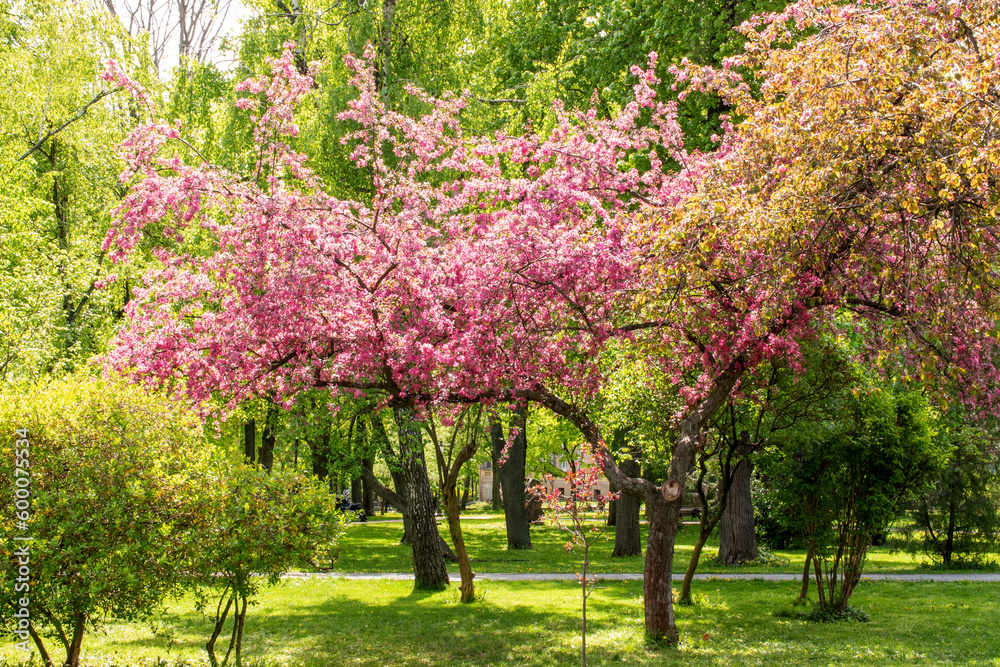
(333, 622)
(374, 547)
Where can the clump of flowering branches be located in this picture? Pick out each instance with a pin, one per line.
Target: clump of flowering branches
(567, 507)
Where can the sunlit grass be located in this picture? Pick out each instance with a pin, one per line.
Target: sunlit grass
(375, 548)
(325, 622)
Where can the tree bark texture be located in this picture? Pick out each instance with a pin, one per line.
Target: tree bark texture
(429, 569)
(737, 535)
(511, 474)
(628, 538)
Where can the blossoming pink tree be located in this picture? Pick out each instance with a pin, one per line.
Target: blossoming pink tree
(481, 267)
(859, 191)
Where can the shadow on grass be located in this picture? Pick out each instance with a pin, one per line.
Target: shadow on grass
(312, 623)
(404, 626)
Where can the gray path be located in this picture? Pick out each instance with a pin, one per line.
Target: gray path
(497, 576)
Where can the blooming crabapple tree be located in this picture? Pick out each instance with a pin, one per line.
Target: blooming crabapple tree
(859, 190)
(481, 268)
(861, 185)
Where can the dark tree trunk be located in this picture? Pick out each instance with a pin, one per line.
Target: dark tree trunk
(465, 493)
(429, 569)
(250, 441)
(367, 495)
(267, 446)
(495, 501)
(399, 482)
(320, 456)
(511, 475)
(356, 489)
(628, 539)
(949, 541)
(612, 513)
(804, 589)
(737, 536)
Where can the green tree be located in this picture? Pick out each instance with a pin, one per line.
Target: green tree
(958, 513)
(840, 482)
(118, 479)
(264, 524)
(59, 139)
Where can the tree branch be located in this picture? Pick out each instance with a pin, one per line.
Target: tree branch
(77, 116)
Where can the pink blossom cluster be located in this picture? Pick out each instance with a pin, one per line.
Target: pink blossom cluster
(480, 265)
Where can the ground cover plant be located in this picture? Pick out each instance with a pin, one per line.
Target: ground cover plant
(377, 623)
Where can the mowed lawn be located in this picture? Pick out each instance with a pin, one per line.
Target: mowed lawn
(375, 547)
(332, 622)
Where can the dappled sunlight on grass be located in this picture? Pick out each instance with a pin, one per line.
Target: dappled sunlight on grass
(375, 548)
(321, 622)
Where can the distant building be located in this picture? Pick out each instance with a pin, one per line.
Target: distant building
(602, 488)
(486, 481)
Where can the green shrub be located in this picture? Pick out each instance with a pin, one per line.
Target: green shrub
(117, 481)
(264, 524)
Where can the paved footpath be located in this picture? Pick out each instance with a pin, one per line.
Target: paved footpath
(497, 576)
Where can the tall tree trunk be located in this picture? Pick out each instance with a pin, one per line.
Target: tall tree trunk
(250, 441)
(357, 489)
(804, 589)
(267, 445)
(465, 493)
(628, 538)
(511, 474)
(949, 541)
(737, 535)
(321, 455)
(429, 569)
(665, 513)
(495, 499)
(367, 495)
(612, 513)
(657, 575)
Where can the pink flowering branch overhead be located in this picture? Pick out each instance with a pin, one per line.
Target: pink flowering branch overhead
(480, 265)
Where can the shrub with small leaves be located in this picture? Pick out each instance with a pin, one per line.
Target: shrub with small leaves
(118, 481)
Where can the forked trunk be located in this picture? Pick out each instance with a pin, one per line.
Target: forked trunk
(429, 569)
(76, 642)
